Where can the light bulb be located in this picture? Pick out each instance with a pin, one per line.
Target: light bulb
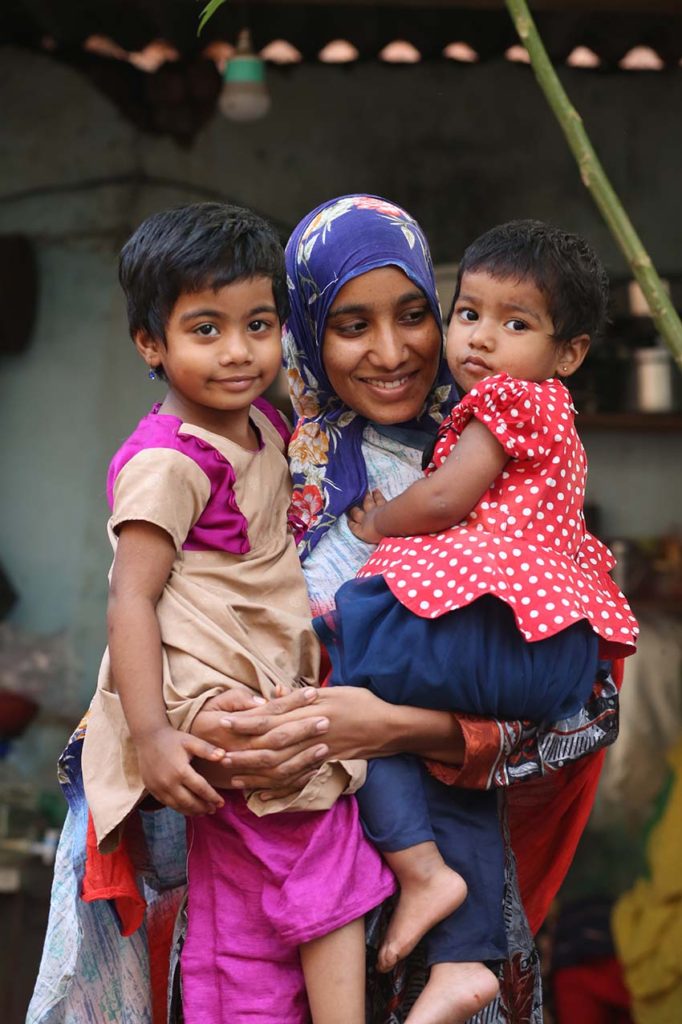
(244, 96)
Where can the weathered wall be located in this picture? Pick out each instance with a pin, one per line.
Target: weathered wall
(461, 147)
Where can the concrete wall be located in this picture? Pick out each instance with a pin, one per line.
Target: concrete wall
(462, 147)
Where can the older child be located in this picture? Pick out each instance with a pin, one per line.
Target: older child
(498, 602)
(207, 594)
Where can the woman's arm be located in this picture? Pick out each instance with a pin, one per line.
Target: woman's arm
(143, 562)
(477, 753)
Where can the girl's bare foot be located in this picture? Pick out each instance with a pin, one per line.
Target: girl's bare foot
(429, 892)
(454, 993)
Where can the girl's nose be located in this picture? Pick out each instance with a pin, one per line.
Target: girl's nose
(235, 350)
(482, 336)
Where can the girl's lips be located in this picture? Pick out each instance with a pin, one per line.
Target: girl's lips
(235, 383)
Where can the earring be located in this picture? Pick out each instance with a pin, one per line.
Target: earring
(151, 374)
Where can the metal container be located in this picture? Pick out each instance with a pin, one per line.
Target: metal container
(652, 384)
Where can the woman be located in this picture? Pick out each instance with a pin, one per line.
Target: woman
(364, 355)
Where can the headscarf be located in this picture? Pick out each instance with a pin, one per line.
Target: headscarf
(338, 241)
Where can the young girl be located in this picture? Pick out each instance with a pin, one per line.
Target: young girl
(498, 602)
(207, 594)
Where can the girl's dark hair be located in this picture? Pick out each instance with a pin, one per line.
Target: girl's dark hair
(206, 245)
(562, 266)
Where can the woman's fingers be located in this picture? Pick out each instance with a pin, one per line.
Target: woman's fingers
(275, 765)
(234, 700)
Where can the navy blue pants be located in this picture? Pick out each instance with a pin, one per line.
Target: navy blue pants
(401, 805)
(473, 660)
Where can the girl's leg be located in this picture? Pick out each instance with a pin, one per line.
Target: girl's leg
(334, 972)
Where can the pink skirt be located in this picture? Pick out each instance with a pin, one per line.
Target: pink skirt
(258, 888)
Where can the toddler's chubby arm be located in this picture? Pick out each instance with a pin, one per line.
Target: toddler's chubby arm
(440, 500)
(144, 557)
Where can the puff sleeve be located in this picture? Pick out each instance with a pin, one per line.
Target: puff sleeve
(160, 486)
(523, 416)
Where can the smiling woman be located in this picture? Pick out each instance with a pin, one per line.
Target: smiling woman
(381, 345)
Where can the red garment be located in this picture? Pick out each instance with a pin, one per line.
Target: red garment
(525, 541)
(591, 993)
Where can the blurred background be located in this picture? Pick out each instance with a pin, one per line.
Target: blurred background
(111, 111)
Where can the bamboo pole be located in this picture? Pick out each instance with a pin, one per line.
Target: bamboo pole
(595, 180)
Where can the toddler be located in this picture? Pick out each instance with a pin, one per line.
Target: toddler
(486, 593)
(207, 594)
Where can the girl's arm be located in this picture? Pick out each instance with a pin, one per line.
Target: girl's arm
(144, 557)
(440, 500)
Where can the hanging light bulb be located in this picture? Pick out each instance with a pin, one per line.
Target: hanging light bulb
(244, 96)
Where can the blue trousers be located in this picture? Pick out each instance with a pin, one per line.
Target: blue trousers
(401, 804)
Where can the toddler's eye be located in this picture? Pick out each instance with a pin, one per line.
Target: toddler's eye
(516, 325)
(206, 330)
(469, 316)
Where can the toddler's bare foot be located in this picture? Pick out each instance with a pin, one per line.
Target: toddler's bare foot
(453, 994)
(428, 893)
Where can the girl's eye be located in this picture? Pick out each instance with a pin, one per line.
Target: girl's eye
(469, 316)
(258, 326)
(206, 330)
(516, 325)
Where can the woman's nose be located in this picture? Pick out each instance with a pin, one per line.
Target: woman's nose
(388, 348)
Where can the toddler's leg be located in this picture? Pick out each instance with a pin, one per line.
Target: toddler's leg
(467, 830)
(334, 972)
(395, 815)
(429, 891)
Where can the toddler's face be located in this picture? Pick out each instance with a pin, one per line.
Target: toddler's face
(502, 325)
(223, 348)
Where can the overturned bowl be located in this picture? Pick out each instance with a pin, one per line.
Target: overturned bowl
(16, 712)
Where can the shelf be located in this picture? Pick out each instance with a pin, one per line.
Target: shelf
(653, 422)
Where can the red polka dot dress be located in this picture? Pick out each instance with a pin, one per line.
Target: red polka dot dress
(525, 541)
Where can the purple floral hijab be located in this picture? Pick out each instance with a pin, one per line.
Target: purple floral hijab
(338, 241)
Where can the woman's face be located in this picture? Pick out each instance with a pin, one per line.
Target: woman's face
(381, 346)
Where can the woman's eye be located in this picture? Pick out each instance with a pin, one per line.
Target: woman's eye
(352, 327)
(414, 316)
(206, 330)
(469, 316)
(516, 325)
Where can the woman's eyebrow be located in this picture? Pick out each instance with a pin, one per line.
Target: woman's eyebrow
(358, 309)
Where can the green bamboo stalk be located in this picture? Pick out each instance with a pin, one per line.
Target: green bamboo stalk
(595, 180)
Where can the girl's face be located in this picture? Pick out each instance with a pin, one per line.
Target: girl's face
(381, 346)
(503, 325)
(222, 350)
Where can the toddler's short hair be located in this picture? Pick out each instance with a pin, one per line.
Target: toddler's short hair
(562, 266)
(205, 245)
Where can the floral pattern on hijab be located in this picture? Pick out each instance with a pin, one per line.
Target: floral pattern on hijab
(338, 241)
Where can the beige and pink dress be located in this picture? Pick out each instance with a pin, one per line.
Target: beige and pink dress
(234, 614)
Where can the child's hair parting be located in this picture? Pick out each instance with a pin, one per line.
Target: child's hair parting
(205, 245)
(561, 265)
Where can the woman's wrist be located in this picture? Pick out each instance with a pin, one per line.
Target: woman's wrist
(421, 731)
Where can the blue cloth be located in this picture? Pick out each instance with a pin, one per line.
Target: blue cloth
(338, 241)
(474, 659)
(401, 805)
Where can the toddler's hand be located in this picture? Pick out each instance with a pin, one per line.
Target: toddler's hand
(361, 518)
(164, 759)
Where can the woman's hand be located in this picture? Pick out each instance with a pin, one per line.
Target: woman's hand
(280, 738)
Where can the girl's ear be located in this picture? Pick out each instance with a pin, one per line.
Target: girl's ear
(151, 349)
(573, 353)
